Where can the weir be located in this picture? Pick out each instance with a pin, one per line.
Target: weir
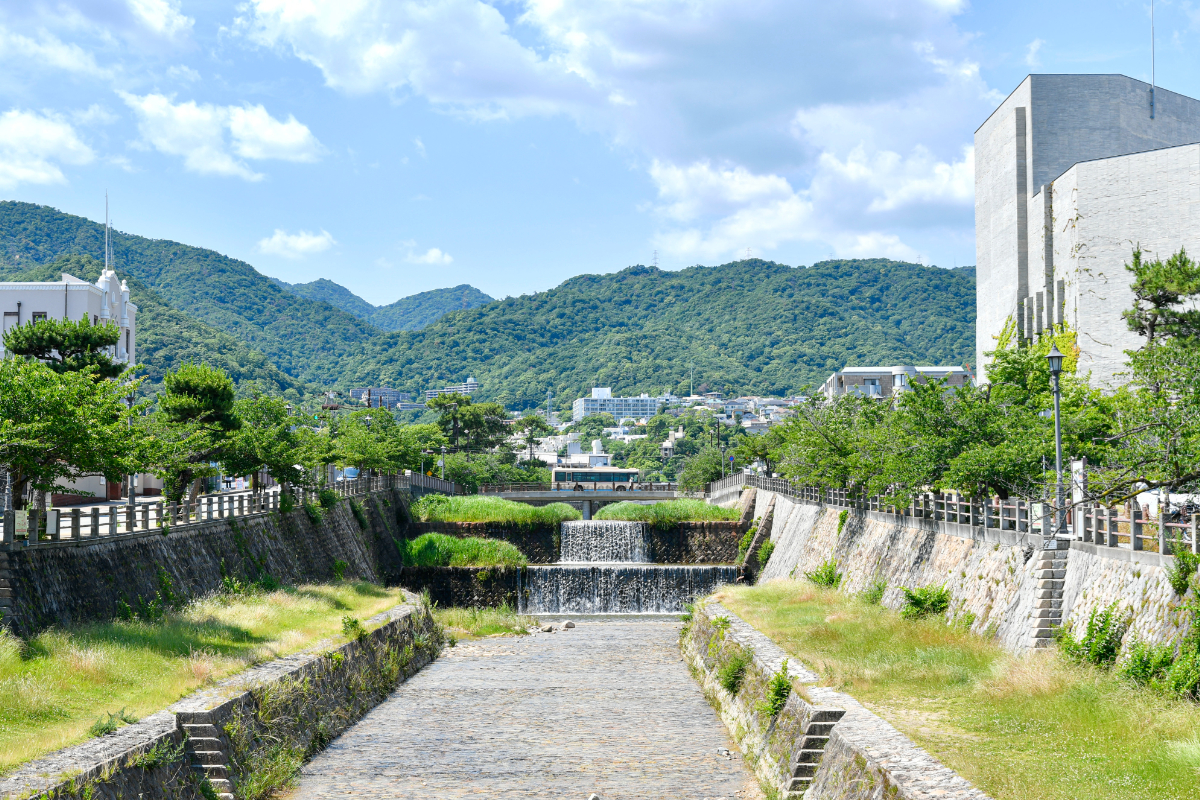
(604, 569)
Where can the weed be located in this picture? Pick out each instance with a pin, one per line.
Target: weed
(359, 513)
(826, 575)
(1182, 568)
(287, 503)
(477, 508)
(1101, 640)
(314, 513)
(873, 596)
(335, 657)
(104, 726)
(842, 517)
(162, 753)
(668, 514)
(353, 629)
(328, 498)
(474, 622)
(779, 688)
(744, 545)
(764, 552)
(689, 609)
(733, 671)
(339, 570)
(207, 791)
(926, 601)
(1146, 662)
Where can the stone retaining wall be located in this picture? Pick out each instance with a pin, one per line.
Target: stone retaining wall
(1001, 582)
(473, 587)
(278, 714)
(68, 582)
(823, 745)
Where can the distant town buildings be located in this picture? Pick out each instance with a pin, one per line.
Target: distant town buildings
(883, 382)
(602, 402)
(380, 397)
(468, 388)
(1071, 173)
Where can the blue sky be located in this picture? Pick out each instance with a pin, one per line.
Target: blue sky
(396, 146)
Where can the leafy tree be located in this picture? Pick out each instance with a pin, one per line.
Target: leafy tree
(67, 346)
(370, 440)
(701, 469)
(532, 427)
(62, 425)
(193, 427)
(264, 440)
(592, 426)
(469, 425)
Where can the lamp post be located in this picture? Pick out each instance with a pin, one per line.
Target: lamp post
(1055, 360)
(131, 500)
(442, 462)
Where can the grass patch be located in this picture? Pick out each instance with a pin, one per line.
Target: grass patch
(733, 671)
(481, 508)
(53, 687)
(474, 623)
(826, 575)
(1037, 726)
(667, 514)
(440, 550)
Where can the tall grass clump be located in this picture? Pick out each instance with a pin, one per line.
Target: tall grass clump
(1101, 641)
(439, 550)
(826, 575)
(475, 622)
(731, 674)
(926, 601)
(667, 514)
(481, 508)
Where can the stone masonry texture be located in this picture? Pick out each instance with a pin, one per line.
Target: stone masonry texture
(606, 707)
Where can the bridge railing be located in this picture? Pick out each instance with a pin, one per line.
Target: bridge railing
(503, 488)
(567, 487)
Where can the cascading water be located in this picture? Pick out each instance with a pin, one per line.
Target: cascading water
(604, 569)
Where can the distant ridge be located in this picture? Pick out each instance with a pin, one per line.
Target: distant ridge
(406, 314)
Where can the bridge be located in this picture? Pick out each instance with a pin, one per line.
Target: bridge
(586, 500)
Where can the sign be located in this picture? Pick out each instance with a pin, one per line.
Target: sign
(1049, 544)
(21, 528)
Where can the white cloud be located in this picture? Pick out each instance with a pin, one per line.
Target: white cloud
(47, 50)
(183, 73)
(296, 245)
(197, 133)
(420, 146)
(95, 114)
(1032, 52)
(33, 146)
(430, 256)
(161, 17)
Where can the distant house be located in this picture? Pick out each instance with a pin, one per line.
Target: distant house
(884, 382)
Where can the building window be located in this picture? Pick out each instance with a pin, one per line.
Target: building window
(126, 340)
(38, 316)
(95, 319)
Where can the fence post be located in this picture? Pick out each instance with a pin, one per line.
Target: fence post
(208, 508)
(1135, 525)
(112, 520)
(145, 516)
(1111, 528)
(76, 523)
(94, 528)
(1163, 546)
(1195, 529)
(8, 535)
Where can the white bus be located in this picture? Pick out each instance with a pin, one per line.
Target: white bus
(592, 479)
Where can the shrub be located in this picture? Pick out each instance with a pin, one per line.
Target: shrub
(1182, 568)
(439, 550)
(925, 602)
(874, 595)
(287, 503)
(478, 508)
(1101, 641)
(1145, 662)
(764, 552)
(826, 575)
(359, 513)
(314, 513)
(1183, 678)
(842, 517)
(328, 498)
(733, 671)
(339, 570)
(668, 514)
(778, 690)
(744, 545)
(352, 628)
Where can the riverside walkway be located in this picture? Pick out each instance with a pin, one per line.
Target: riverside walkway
(607, 707)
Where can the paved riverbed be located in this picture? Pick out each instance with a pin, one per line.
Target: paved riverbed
(607, 707)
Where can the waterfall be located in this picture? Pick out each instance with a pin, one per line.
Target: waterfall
(604, 568)
(604, 541)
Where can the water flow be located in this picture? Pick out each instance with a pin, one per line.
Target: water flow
(619, 588)
(604, 541)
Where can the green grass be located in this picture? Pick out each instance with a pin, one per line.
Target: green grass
(480, 508)
(667, 514)
(439, 550)
(1018, 728)
(55, 687)
(473, 623)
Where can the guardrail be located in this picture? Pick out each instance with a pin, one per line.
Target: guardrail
(636, 486)
(1086, 522)
(34, 528)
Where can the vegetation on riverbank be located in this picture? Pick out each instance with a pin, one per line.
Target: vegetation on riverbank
(475, 623)
(481, 508)
(439, 550)
(667, 514)
(58, 685)
(1037, 726)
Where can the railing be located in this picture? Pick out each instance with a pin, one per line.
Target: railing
(1088, 523)
(636, 486)
(88, 525)
(501, 488)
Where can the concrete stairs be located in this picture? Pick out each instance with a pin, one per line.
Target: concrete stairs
(206, 751)
(1051, 574)
(812, 746)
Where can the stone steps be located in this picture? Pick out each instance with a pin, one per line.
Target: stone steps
(207, 756)
(1050, 572)
(812, 746)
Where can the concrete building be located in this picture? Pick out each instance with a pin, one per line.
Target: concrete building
(468, 388)
(1071, 172)
(884, 382)
(602, 402)
(105, 301)
(381, 397)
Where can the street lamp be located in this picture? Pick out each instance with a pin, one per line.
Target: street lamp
(1055, 360)
(131, 501)
(442, 462)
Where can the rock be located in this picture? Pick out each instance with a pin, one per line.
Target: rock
(568, 624)
(547, 629)
(595, 796)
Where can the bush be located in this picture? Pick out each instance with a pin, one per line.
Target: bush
(352, 628)
(1101, 641)
(744, 545)
(826, 575)
(480, 508)
(328, 498)
(926, 601)
(778, 691)
(1183, 678)
(874, 595)
(287, 503)
(1145, 663)
(439, 550)
(733, 671)
(339, 570)
(764, 553)
(667, 514)
(314, 513)
(1182, 568)
(842, 517)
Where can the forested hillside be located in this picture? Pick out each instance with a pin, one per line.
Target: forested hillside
(304, 338)
(749, 326)
(406, 314)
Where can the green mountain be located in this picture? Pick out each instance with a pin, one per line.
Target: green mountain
(306, 339)
(406, 314)
(167, 337)
(749, 326)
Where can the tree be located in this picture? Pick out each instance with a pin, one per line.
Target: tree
(370, 440)
(56, 425)
(701, 470)
(532, 427)
(593, 425)
(451, 410)
(67, 346)
(263, 440)
(193, 427)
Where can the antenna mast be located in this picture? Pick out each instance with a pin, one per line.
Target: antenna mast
(106, 231)
(1152, 75)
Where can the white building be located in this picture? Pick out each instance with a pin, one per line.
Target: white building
(884, 382)
(602, 402)
(1071, 172)
(106, 301)
(468, 388)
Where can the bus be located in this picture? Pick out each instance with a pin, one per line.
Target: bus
(592, 479)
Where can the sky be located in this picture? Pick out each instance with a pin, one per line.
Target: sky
(396, 146)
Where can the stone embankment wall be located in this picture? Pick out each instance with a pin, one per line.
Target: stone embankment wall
(270, 717)
(823, 742)
(472, 587)
(65, 583)
(998, 579)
